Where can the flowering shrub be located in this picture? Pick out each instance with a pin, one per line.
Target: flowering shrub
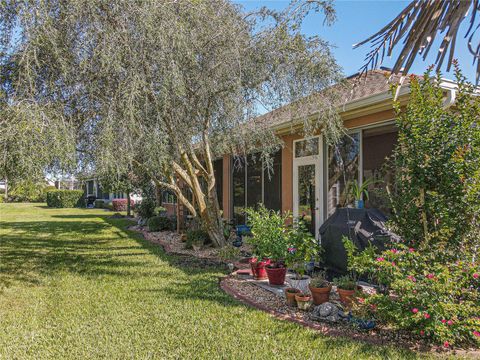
(302, 247)
(436, 186)
(437, 301)
(121, 204)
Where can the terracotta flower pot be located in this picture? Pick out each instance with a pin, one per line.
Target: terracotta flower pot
(347, 296)
(320, 295)
(303, 301)
(290, 296)
(276, 275)
(258, 268)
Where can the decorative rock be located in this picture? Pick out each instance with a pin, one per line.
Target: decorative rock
(329, 312)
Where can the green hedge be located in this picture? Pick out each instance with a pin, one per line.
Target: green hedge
(65, 198)
(161, 223)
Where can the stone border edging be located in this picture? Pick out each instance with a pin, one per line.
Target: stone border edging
(329, 331)
(324, 329)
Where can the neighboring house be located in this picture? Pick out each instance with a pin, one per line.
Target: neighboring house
(309, 178)
(92, 188)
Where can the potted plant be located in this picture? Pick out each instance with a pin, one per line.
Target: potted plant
(346, 288)
(303, 301)
(358, 192)
(269, 241)
(320, 289)
(302, 249)
(290, 296)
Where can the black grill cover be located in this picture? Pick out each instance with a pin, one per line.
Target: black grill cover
(362, 226)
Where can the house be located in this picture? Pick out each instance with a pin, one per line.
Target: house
(310, 177)
(93, 188)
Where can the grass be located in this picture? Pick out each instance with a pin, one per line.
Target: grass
(75, 284)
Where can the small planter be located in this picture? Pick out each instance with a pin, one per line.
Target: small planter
(301, 284)
(290, 296)
(258, 268)
(347, 296)
(303, 301)
(276, 275)
(320, 295)
(359, 204)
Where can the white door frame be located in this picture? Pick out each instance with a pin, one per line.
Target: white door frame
(310, 160)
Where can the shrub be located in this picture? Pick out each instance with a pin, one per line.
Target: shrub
(302, 249)
(161, 223)
(269, 234)
(437, 183)
(120, 204)
(197, 237)
(100, 203)
(146, 208)
(229, 253)
(437, 301)
(65, 198)
(28, 191)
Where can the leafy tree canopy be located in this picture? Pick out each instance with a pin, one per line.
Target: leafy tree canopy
(167, 87)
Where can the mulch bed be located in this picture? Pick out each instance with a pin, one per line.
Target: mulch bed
(251, 294)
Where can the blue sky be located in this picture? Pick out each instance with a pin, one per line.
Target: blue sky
(356, 20)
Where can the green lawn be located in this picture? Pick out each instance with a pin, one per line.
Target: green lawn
(74, 284)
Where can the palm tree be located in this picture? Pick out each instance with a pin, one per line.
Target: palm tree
(419, 23)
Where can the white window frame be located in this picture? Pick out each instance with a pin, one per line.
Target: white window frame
(319, 179)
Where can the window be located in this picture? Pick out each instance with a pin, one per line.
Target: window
(252, 184)
(238, 188)
(343, 167)
(254, 181)
(378, 145)
(168, 197)
(90, 187)
(99, 192)
(218, 171)
(272, 188)
(307, 147)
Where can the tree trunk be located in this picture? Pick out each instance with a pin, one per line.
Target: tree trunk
(129, 205)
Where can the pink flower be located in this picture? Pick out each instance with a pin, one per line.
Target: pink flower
(476, 333)
(446, 344)
(422, 332)
(430, 276)
(411, 250)
(444, 321)
(414, 310)
(450, 322)
(379, 259)
(361, 300)
(394, 251)
(291, 250)
(393, 263)
(476, 276)
(412, 278)
(426, 316)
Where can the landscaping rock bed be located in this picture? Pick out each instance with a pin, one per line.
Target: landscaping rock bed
(172, 243)
(272, 300)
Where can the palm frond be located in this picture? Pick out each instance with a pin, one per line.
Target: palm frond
(418, 25)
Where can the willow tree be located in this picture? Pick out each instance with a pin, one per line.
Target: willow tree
(168, 87)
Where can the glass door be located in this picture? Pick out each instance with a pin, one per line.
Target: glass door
(306, 193)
